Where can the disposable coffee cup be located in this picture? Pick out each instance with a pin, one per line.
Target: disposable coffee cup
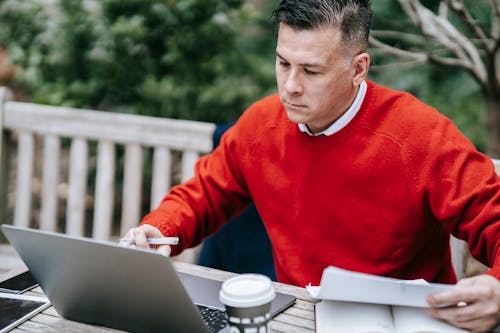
(247, 299)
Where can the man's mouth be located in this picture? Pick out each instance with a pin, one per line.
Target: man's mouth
(293, 105)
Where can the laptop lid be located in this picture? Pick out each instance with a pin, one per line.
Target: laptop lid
(105, 284)
(101, 283)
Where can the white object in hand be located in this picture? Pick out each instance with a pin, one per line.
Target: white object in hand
(155, 241)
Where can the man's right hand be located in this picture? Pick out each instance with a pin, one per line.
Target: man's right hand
(139, 235)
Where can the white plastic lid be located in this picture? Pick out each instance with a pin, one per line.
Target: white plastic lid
(247, 290)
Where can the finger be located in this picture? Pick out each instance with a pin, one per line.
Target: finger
(471, 317)
(164, 250)
(460, 295)
(456, 314)
(139, 236)
(151, 231)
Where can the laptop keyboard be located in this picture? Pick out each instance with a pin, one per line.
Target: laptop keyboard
(215, 319)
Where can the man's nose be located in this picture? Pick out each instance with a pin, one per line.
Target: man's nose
(292, 84)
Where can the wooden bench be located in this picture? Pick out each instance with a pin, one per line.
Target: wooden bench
(79, 154)
(67, 136)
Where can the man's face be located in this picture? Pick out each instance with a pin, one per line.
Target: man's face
(315, 79)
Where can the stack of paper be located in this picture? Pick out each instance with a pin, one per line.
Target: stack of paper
(344, 285)
(355, 302)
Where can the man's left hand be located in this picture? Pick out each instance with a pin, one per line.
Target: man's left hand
(478, 300)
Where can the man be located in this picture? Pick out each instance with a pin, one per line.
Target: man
(345, 172)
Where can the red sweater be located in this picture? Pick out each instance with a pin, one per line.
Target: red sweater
(380, 196)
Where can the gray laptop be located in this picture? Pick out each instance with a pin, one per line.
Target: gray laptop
(133, 290)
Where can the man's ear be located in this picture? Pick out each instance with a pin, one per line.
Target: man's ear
(360, 65)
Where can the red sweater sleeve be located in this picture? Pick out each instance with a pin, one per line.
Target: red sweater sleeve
(463, 191)
(199, 207)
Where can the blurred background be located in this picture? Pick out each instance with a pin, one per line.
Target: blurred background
(208, 60)
(200, 59)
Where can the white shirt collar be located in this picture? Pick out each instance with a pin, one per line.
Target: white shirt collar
(345, 118)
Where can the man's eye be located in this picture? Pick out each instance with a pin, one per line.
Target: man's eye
(284, 64)
(309, 72)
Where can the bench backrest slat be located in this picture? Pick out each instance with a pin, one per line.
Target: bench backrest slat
(77, 186)
(116, 127)
(24, 177)
(104, 190)
(132, 191)
(162, 161)
(50, 178)
(496, 163)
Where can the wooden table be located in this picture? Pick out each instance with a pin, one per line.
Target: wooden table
(297, 318)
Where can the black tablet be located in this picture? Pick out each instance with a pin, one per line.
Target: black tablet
(18, 284)
(16, 308)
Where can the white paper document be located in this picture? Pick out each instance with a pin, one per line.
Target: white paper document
(351, 317)
(344, 285)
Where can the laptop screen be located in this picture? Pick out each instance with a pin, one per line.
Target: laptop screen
(102, 283)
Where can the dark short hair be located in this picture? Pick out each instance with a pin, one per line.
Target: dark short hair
(353, 17)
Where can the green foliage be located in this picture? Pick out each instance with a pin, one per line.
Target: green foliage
(194, 59)
(176, 58)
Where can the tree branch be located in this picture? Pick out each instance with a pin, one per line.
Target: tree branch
(459, 8)
(450, 61)
(405, 4)
(443, 10)
(495, 24)
(495, 4)
(435, 28)
(386, 48)
(440, 29)
(399, 35)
